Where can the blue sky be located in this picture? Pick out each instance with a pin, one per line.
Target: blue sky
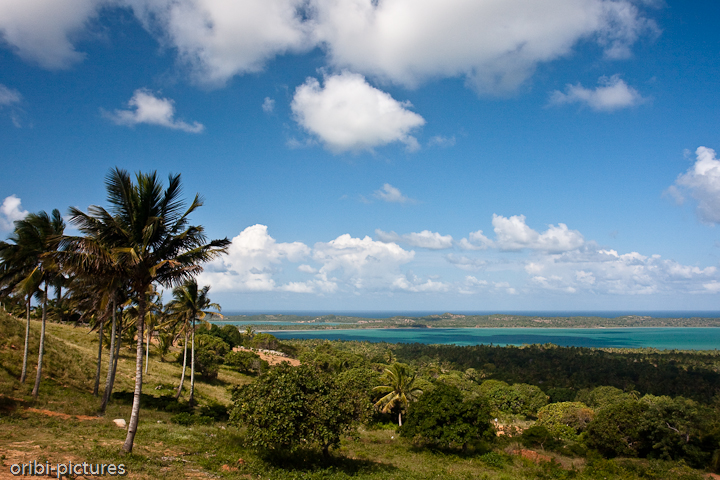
(391, 155)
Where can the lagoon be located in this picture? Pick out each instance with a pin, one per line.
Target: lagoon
(667, 338)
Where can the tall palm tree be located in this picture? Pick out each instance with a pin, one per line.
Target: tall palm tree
(190, 304)
(35, 239)
(17, 263)
(147, 234)
(400, 389)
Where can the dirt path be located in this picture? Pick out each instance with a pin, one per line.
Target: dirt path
(271, 359)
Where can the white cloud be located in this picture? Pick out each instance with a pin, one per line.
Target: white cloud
(608, 272)
(611, 94)
(10, 211)
(388, 193)
(252, 260)
(41, 31)
(222, 38)
(348, 114)
(363, 264)
(513, 234)
(268, 105)
(147, 108)
(8, 96)
(424, 239)
(495, 44)
(702, 181)
(307, 269)
(477, 241)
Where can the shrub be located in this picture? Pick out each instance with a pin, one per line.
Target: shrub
(518, 399)
(565, 419)
(244, 361)
(442, 419)
(291, 407)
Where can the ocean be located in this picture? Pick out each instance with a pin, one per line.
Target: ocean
(661, 338)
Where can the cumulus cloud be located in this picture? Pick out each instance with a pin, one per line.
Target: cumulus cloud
(348, 114)
(702, 182)
(513, 234)
(363, 263)
(605, 271)
(424, 239)
(611, 94)
(495, 44)
(147, 108)
(218, 39)
(268, 105)
(476, 241)
(388, 193)
(8, 96)
(251, 262)
(10, 211)
(41, 31)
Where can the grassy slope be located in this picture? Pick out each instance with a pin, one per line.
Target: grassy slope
(164, 449)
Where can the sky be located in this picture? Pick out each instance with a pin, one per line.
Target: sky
(458, 155)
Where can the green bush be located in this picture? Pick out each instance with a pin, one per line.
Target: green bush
(442, 419)
(292, 407)
(244, 361)
(517, 399)
(565, 419)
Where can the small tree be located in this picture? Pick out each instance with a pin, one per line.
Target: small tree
(442, 419)
(292, 407)
(565, 419)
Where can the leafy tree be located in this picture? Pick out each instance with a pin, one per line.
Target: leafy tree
(209, 355)
(565, 419)
(292, 407)
(244, 361)
(618, 429)
(441, 418)
(675, 428)
(517, 399)
(228, 333)
(399, 389)
(148, 237)
(603, 396)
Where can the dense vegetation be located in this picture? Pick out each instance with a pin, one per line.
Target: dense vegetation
(319, 420)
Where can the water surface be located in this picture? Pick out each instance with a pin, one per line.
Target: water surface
(666, 338)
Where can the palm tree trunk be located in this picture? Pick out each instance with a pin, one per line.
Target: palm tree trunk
(114, 344)
(182, 377)
(23, 375)
(147, 349)
(96, 387)
(135, 413)
(192, 366)
(400, 419)
(38, 376)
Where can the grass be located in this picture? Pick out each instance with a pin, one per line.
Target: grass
(168, 450)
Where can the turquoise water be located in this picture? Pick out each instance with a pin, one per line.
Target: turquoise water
(272, 322)
(660, 338)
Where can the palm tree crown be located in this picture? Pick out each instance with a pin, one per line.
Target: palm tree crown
(400, 389)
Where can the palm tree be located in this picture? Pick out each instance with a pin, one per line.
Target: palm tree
(35, 238)
(148, 237)
(400, 389)
(189, 304)
(17, 263)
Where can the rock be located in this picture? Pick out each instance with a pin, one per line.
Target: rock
(120, 422)
(241, 461)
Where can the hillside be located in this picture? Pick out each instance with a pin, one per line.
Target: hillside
(63, 425)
